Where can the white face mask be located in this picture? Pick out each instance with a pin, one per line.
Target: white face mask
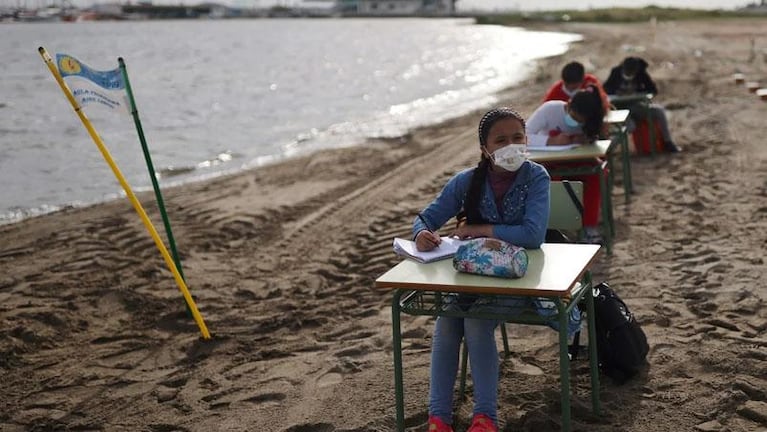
(510, 157)
(568, 92)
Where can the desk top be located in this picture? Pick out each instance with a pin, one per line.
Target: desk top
(589, 151)
(629, 98)
(617, 116)
(552, 271)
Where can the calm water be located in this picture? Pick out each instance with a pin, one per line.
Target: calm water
(221, 96)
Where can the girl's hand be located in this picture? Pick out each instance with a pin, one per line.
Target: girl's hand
(426, 240)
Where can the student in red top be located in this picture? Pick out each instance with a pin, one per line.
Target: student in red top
(574, 78)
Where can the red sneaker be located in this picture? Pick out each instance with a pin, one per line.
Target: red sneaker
(482, 423)
(437, 425)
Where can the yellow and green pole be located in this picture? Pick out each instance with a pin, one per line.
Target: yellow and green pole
(128, 191)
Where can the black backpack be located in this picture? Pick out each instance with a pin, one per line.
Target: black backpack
(621, 344)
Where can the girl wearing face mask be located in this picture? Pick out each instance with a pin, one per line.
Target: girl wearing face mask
(493, 199)
(506, 197)
(579, 121)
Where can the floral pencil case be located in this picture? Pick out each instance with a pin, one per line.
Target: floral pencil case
(491, 257)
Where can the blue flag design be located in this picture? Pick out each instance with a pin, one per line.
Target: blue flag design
(109, 85)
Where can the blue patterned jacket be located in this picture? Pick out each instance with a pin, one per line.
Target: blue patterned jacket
(525, 209)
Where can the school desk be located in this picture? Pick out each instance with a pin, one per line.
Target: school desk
(556, 272)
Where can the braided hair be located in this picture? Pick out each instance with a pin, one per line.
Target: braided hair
(588, 103)
(474, 194)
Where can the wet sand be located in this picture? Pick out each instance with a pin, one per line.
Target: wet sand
(282, 261)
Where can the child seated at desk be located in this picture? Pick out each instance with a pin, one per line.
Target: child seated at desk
(631, 77)
(574, 78)
(578, 121)
(506, 197)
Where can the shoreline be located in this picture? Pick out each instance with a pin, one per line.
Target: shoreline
(321, 145)
(282, 261)
(339, 133)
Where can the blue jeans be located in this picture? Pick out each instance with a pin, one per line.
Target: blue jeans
(483, 355)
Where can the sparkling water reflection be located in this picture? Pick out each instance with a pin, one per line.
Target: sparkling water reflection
(220, 96)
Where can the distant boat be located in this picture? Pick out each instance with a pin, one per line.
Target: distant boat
(38, 15)
(51, 13)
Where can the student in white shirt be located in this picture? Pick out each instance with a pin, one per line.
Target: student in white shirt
(578, 121)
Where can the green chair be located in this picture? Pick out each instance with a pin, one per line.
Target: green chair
(566, 206)
(566, 214)
(605, 189)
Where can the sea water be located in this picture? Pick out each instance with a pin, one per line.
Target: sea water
(218, 96)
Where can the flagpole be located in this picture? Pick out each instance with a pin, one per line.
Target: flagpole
(128, 191)
(150, 167)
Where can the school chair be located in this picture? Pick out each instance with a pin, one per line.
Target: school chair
(566, 206)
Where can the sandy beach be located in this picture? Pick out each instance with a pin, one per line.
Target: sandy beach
(281, 261)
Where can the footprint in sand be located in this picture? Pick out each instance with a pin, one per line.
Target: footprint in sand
(335, 374)
(175, 382)
(329, 379)
(266, 398)
(415, 333)
(226, 398)
(357, 336)
(163, 427)
(165, 394)
(520, 366)
(355, 351)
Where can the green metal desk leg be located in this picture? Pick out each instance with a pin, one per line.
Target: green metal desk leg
(628, 185)
(399, 393)
(506, 351)
(564, 366)
(606, 211)
(610, 171)
(610, 186)
(593, 360)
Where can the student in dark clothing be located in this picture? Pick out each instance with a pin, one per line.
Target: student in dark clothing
(631, 77)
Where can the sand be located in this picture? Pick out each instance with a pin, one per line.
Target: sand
(282, 260)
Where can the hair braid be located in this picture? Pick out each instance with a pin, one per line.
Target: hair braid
(474, 194)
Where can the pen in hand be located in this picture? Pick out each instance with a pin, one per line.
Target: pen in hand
(431, 240)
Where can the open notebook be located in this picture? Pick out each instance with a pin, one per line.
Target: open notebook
(446, 249)
(554, 148)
